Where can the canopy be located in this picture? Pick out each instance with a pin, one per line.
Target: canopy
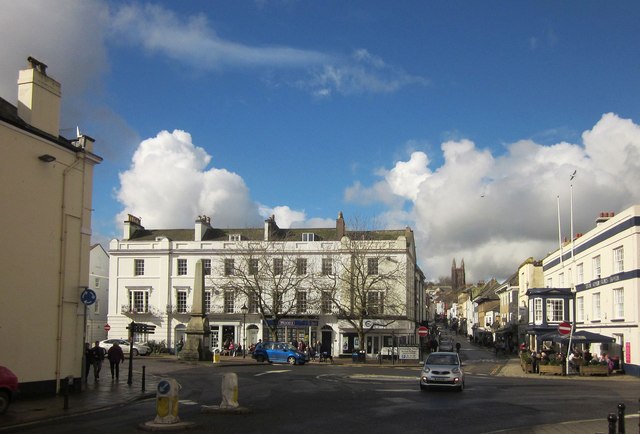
(579, 337)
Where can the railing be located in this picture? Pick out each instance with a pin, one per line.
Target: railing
(178, 309)
(131, 310)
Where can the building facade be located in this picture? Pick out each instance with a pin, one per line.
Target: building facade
(346, 289)
(602, 269)
(96, 313)
(46, 184)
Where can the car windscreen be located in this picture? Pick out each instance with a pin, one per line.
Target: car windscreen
(441, 359)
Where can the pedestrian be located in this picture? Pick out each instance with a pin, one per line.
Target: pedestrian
(97, 356)
(458, 347)
(180, 345)
(88, 360)
(115, 356)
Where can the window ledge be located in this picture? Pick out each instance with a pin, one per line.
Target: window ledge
(596, 320)
(617, 319)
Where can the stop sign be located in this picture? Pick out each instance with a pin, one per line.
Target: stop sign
(423, 331)
(564, 328)
(107, 327)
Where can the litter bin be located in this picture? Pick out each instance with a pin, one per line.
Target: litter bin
(216, 356)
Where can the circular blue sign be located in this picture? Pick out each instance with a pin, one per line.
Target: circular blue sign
(88, 296)
(164, 387)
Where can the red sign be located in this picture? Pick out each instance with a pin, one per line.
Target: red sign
(423, 331)
(107, 327)
(564, 328)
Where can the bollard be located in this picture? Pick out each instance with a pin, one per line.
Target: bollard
(144, 368)
(621, 408)
(612, 423)
(216, 356)
(167, 402)
(65, 391)
(229, 391)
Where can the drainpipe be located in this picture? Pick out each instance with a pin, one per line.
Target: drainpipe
(61, 270)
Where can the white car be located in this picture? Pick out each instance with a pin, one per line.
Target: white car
(442, 369)
(139, 349)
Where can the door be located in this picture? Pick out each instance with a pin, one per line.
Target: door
(326, 341)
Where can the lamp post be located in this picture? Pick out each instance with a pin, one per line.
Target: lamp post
(244, 309)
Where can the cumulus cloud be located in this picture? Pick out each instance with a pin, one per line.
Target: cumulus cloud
(169, 184)
(290, 218)
(496, 211)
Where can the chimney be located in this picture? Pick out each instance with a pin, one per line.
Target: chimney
(131, 225)
(39, 98)
(340, 226)
(603, 217)
(270, 228)
(202, 224)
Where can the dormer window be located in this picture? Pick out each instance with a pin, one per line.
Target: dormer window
(235, 237)
(308, 236)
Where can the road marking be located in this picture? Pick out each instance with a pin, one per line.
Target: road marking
(272, 372)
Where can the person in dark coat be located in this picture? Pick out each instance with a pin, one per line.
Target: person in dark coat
(115, 356)
(88, 360)
(97, 356)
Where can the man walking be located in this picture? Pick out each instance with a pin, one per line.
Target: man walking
(97, 356)
(115, 356)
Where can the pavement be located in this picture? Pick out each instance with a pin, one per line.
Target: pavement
(108, 394)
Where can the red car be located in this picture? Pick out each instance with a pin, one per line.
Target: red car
(8, 388)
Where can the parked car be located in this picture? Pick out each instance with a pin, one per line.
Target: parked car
(139, 349)
(8, 388)
(278, 352)
(442, 369)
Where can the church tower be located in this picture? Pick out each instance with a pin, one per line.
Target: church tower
(458, 280)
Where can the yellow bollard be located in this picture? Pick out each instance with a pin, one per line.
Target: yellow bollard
(216, 356)
(167, 401)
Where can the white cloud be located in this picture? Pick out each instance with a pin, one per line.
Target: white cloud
(289, 218)
(496, 211)
(169, 185)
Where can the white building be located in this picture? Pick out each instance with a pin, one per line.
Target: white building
(152, 279)
(602, 268)
(96, 313)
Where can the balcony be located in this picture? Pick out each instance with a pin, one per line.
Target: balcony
(129, 310)
(178, 310)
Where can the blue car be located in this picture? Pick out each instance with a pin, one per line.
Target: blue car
(278, 352)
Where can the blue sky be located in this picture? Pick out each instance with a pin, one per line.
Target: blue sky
(462, 120)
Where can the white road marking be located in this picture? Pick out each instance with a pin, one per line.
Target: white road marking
(272, 372)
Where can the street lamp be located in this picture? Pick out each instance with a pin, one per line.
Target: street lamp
(244, 309)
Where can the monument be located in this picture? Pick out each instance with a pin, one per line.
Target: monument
(196, 346)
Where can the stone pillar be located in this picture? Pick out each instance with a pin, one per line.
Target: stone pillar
(196, 346)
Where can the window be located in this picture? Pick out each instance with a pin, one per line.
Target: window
(277, 266)
(549, 282)
(182, 267)
(375, 303)
(555, 310)
(580, 273)
(253, 302)
(618, 260)
(229, 302)
(537, 310)
(618, 303)
(96, 283)
(277, 298)
(181, 301)
(308, 237)
(596, 267)
(235, 237)
(580, 309)
(139, 300)
(301, 266)
(138, 267)
(206, 267)
(301, 302)
(561, 280)
(325, 302)
(327, 266)
(228, 267)
(96, 307)
(595, 304)
(253, 266)
(372, 266)
(207, 301)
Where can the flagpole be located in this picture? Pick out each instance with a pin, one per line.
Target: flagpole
(559, 231)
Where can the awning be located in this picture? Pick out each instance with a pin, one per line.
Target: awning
(579, 337)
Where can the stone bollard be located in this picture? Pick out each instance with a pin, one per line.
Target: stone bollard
(229, 391)
(167, 402)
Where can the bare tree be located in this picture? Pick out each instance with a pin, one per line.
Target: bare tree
(271, 279)
(367, 283)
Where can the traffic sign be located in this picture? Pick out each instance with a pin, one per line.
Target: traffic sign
(88, 296)
(423, 331)
(564, 328)
(107, 327)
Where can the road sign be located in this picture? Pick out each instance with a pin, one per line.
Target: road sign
(107, 327)
(564, 328)
(88, 296)
(423, 331)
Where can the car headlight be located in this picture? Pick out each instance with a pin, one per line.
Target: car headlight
(456, 370)
(426, 370)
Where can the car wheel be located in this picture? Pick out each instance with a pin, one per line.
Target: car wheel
(259, 359)
(291, 360)
(423, 387)
(461, 387)
(4, 401)
(135, 352)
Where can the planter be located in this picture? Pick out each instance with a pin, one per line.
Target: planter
(594, 370)
(550, 369)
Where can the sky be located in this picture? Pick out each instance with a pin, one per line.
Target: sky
(463, 120)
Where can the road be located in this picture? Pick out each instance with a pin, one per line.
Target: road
(362, 398)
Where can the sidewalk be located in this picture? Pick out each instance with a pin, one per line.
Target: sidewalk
(106, 394)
